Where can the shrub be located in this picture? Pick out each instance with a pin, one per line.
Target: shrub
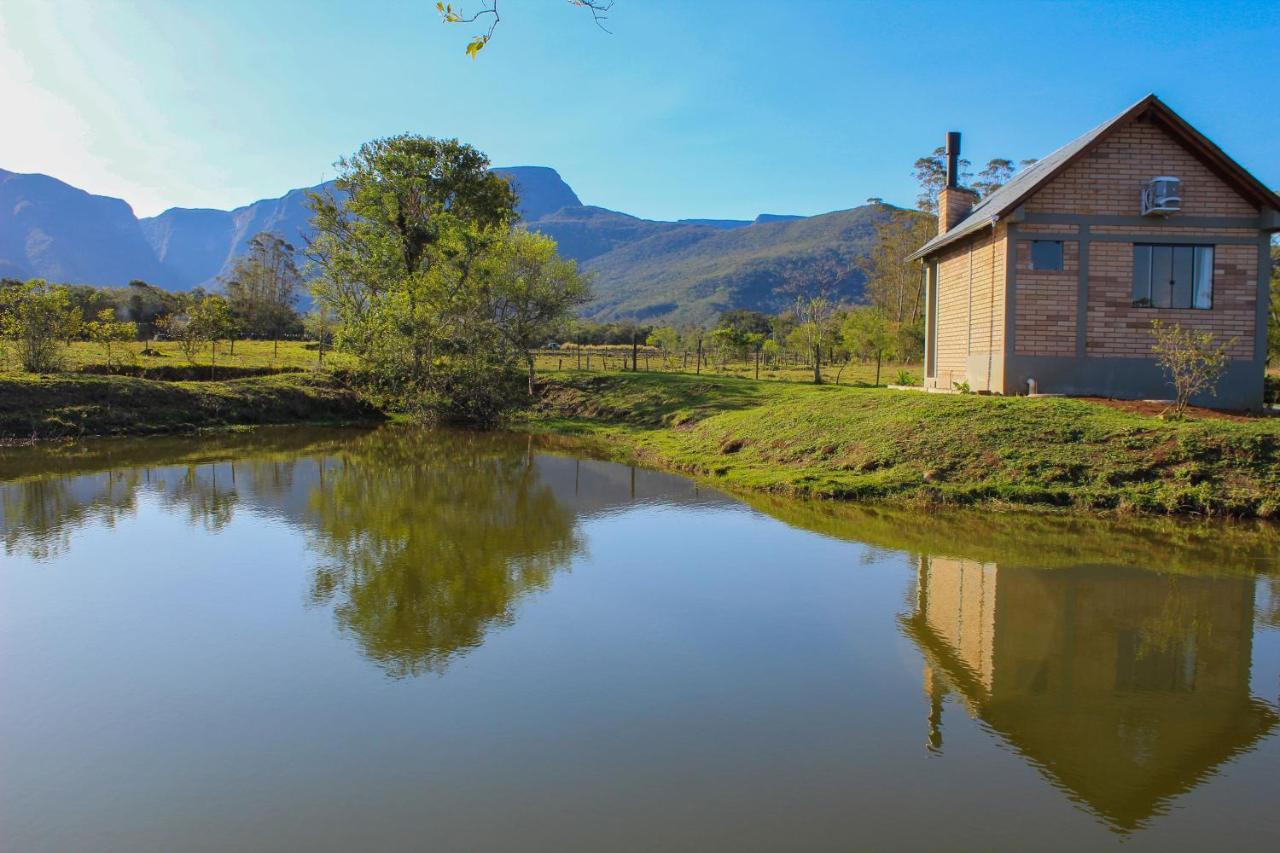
(38, 319)
(1193, 360)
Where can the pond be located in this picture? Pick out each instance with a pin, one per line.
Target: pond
(409, 639)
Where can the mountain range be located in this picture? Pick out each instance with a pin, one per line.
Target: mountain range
(671, 272)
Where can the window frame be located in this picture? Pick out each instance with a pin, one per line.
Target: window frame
(1170, 264)
(1062, 256)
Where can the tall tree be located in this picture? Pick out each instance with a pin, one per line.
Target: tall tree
(930, 173)
(894, 285)
(262, 290)
(993, 176)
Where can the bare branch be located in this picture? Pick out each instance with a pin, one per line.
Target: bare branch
(599, 10)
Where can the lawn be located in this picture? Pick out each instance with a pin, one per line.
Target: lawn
(876, 443)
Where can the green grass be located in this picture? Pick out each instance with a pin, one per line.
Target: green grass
(248, 355)
(876, 444)
(69, 405)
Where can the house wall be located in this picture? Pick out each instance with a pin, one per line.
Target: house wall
(1106, 181)
(1077, 332)
(970, 286)
(1045, 313)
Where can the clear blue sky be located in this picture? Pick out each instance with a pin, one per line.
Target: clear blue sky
(719, 108)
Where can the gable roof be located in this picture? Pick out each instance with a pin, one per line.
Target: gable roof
(1026, 182)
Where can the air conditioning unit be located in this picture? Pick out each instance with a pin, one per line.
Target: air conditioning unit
(1161, 196)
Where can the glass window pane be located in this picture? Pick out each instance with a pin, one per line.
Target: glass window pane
(1046, 255)
(1142, 275)
(1161, 276)
(1204, 277)
(1183, 265)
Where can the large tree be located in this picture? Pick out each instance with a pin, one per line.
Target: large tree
(396, 256)
(893, 284)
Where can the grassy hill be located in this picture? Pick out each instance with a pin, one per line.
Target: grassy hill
(692, 273)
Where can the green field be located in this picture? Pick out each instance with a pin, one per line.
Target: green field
(876, 444)
(290, 355)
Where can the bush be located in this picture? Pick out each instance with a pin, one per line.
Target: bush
(38, 319)
(1193, 361)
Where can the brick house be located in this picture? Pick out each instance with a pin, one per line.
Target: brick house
(1056, 277)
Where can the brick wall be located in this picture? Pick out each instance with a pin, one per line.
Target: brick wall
(1108, 180)
(1045, 303)
(1117, 329)
(971, 303)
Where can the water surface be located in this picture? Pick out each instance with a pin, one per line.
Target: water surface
(399, 639)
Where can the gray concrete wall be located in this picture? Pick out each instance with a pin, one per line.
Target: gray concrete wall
(1128, 379)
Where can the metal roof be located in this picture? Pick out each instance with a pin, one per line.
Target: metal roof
(1026, 182)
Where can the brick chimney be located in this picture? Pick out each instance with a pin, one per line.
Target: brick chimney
(954, 201)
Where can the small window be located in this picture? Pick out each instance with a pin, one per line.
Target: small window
(1172, 276)
(1046, 255)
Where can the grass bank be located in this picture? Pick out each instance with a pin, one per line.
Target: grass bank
(70, 405)
(877, 444)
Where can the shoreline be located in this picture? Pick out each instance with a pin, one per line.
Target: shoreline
(840, 444)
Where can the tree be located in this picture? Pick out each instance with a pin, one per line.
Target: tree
(599, 10)
(869, 334)
(993, 176)
(533, 289)
(39, 319)
(746, 320)
(931, 174)
(1193, 360)
(262, 289)
(105, 331)
(895, 285)
(319, 326)
(402, 264)
(814, 314)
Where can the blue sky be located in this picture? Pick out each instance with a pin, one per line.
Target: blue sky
(707, 108)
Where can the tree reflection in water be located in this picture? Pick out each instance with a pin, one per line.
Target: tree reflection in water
(429, 539)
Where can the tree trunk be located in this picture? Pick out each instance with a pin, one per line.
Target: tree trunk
(877, 367)
(698, 368)
(529, 358)
(634, 353)
(757, 364)
(817, 364)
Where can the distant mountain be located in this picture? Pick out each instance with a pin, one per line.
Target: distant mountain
(539, 189)
(694, 273)
(49, 229)
(197, 246)
(648, 270)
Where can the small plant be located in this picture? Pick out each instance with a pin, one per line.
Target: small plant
(904, 377)
(111, 336)
(1193, 360)
(962, 386)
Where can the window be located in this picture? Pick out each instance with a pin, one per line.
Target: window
(1046, 255)
(1172, 276)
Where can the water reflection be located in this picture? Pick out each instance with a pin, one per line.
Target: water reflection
(1125, 687)
(425, 539)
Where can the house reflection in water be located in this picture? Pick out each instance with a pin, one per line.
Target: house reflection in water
(1125, 687)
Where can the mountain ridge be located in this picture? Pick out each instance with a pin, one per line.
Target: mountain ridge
(643, 269)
